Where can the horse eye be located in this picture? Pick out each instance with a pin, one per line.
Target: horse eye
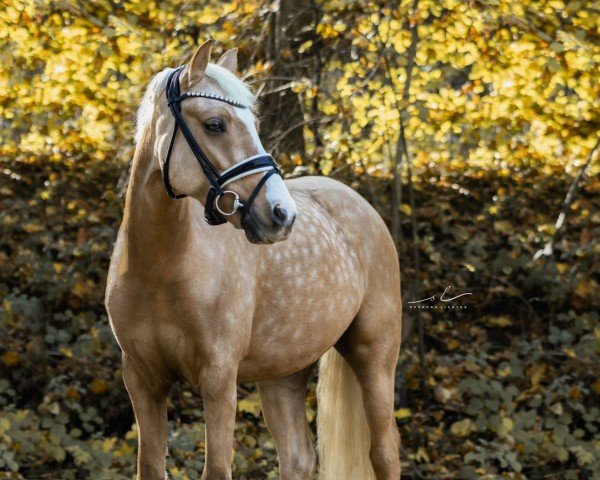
(215, 125)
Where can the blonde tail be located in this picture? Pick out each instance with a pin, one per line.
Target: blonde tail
(343, 437)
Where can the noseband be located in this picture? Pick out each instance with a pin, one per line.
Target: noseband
(213, 213)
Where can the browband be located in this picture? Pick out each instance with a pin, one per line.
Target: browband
(213, 214)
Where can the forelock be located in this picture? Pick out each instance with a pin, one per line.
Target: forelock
(231, 85)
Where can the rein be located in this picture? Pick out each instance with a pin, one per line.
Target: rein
(213, 213)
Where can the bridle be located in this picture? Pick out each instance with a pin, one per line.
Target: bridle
(213, 213)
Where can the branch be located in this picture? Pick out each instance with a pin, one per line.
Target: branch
(402, 153)
(568, 201)
(275, 143)
(401, 145)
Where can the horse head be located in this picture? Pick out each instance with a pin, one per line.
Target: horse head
(218, 157)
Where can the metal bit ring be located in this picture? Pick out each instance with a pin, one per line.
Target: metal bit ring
(236, 203)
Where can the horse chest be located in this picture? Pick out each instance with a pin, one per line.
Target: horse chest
(148, 320)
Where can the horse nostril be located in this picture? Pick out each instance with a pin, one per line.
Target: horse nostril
(280, 215)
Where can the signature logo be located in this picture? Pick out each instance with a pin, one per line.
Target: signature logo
(445, 297)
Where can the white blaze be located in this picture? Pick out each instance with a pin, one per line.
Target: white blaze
(246, 116)
(275, 190)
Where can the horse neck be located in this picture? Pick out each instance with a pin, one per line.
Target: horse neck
(156, 228)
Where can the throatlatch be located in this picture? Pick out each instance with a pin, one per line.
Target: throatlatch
(213, 213)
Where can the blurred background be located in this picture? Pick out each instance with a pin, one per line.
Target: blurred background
(471, 126)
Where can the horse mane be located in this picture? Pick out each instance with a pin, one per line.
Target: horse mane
(146, 108)
(231, 86)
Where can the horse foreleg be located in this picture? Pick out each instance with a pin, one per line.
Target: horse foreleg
(149, 401)
(219, 394)
(284, 412)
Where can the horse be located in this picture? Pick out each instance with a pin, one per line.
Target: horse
(235, 275)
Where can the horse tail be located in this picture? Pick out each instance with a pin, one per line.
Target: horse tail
(343, 438)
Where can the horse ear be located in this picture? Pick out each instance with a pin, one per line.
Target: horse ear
(195, 69)
(229, 60)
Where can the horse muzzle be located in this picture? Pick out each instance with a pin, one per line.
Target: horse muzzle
(280, 227)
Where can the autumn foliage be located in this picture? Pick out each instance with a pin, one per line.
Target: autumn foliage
(471, 126)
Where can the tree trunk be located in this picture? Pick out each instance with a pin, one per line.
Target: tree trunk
(292, 25)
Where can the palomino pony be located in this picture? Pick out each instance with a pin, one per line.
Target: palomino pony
(214, 305)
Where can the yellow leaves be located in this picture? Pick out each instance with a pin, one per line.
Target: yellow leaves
(4, 425)
(229, 28)
(79, 289)
(80, 456)
(451, 4)
(586, 289)
(32, 227)
(250, 404)
(503, 226)
(402, 413)
(305, 46)
(325, 30)
(576, 394)
(66, 351)
(12, 14)
(459, 29)
(98, 386)
(562, 268)
(445, 127)
(72, 393)
(500, 321)
(106, 66)
(127, 46)
(209, 15)
(108, 444)
(74, 32)
(505, 427)
(326, 167)
(405, 209)
(569, 352)
(584, 457)
(462, 428)
(133, 433)
(389, 29)
(125, 451)
(536, 375)
(261, 66)
(421, 456)
(298, 87)
(11, 359)
(296, 159)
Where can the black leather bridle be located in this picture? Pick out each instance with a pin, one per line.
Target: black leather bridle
(213, 214)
